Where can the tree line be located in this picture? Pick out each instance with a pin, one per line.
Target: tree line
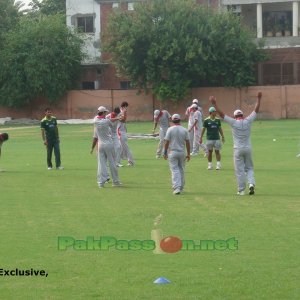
(166, 46)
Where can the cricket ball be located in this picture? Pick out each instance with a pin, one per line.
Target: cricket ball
(171, 244)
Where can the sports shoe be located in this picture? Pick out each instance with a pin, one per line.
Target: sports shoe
(158, 156)
(107, 180)
(194, 154)
(241, 193)
(176, 192)
(119, 165)
(251, 189)
(101, 186)
(298, 155)
(130, 164)
(210, 167)
(60, 168)
(117, 184)
(49, 168)
(218, 167)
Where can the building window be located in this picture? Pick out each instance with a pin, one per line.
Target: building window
(125, 85)
(287, 73)
(115, 5)
(276, 24)
(236, 9)
(88, 85)
(130, 6)
(271, 74)
(277, 74)
(86, 24)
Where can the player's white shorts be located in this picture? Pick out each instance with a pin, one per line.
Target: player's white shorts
(213, 144)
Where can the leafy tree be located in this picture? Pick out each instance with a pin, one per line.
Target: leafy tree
(48, 7)
(9, 16)
(173, 45)
(41, 58)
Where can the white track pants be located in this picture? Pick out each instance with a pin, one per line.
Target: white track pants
(177, 166)
(126, 153)
(105, 155)
(162, 134)
(117, 150)
(243, 166)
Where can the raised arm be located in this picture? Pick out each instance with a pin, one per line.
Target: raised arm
(257, 105)
(213, 101)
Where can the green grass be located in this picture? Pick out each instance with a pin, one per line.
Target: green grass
(37, 206)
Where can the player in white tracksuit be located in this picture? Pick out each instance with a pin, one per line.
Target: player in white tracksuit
(190, 113)
(176, 140)
(122, 134)
(195, 128)
(161, 117)
(241, 131)
(105, 149)
(114, 135)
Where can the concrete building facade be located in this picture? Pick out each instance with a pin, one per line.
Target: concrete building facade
(274, 21)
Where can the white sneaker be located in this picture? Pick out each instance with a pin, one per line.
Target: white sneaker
(49, 168)
(218, 167)
(130, 164)
(241, 193)
(176, 192)
(119, 165)
(60, 168)
(117, 184)
(158, 156)
(210, 167)
(251, 189)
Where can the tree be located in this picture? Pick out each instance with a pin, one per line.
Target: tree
(173, 45)
(41, 58)
(49, 7)
(9, 16)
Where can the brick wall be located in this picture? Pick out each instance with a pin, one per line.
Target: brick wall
(278, 102)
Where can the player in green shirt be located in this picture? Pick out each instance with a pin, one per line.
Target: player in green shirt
(51, 139)
(213, 126)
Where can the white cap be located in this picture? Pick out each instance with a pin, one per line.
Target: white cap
(195, 101)
(156, 113)
(175, 117)
(102, 109)
(237, 112)
(194, 105)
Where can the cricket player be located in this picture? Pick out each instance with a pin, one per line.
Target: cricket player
(191, 123)
(105, 148)
(122, 134)
(3, 138)
(213, 126)
(176, 140)
(241, 131)
(161, 117)
(195, 129)
(114, 136)
(188, 110)
(51, 139)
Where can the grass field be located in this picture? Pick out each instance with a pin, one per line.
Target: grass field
(37, 206)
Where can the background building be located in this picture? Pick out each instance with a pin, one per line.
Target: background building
(275, 21)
